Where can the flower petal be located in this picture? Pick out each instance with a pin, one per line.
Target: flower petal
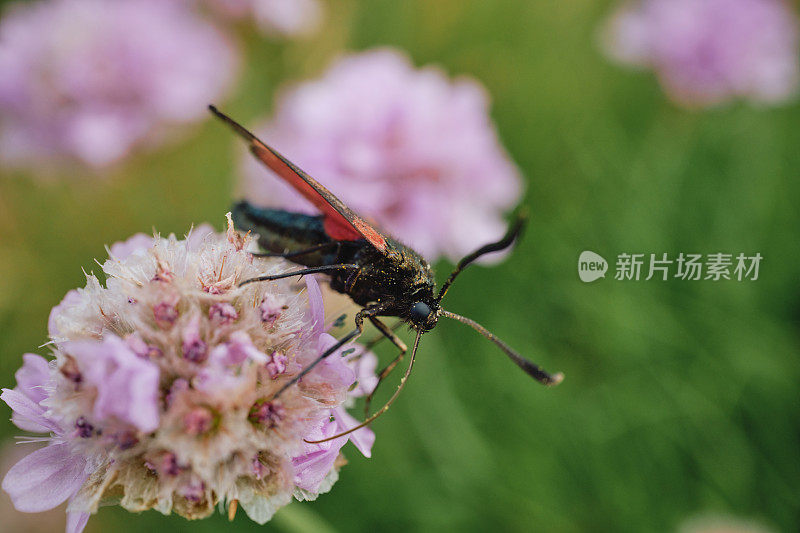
(261, 508)
(33, 376)
(71, 299)
(124, 249)
(76, 522)
(28, 415)
(127, 385)
(311, 468)
(363, 438)
(315, 305)
(364, 365)
(197, 236)
(45, 478)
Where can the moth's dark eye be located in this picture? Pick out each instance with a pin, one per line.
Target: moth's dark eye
(420, 311)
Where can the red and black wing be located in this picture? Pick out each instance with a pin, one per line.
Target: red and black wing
(340, 222)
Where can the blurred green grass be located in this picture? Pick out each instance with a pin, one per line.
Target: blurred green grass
(680, 397)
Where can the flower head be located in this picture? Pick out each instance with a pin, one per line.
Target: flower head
(161, 391)
(92, 79)
(407, 148)
(707, 52)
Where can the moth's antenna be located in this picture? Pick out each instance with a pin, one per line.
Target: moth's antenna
(511, 235)
(386, 405)
(533, 370)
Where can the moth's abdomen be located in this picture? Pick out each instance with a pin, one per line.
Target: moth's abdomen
(281, 231)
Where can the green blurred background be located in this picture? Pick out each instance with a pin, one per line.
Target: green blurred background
(681, 397)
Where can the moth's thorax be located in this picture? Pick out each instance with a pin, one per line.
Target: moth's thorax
(400, 276)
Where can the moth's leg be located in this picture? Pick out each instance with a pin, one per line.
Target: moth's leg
(359, 320)
(387, 333)
(312, 249)
(350, 282)
(374, 342)
(386, 406)
(313, 270)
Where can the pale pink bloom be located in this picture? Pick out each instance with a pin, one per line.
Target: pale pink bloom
(408, 148)
(273, 17)
(161, 390)
(93, 79)
(706, 52)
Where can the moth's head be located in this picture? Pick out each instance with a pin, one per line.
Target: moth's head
(423, 315)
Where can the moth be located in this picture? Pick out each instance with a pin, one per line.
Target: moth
(380, 274)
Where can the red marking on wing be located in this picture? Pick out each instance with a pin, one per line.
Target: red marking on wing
(336, 225)
(340, 223)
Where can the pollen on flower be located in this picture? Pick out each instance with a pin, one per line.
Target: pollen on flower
(198, 421)
(83, 428)
(276, 365)
(222, 313)
(193, 347)
(271, 308)
(160, 394)
(266, 414)
(165, 314)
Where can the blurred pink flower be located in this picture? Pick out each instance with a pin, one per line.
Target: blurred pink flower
(706, 52)
(408, 148)
(180, 414)
(274, 17)
(92, 79)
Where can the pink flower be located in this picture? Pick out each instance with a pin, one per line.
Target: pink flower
(274, 17)
(182, 414)
(707, 52)
(407, 148)
(92, 79)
